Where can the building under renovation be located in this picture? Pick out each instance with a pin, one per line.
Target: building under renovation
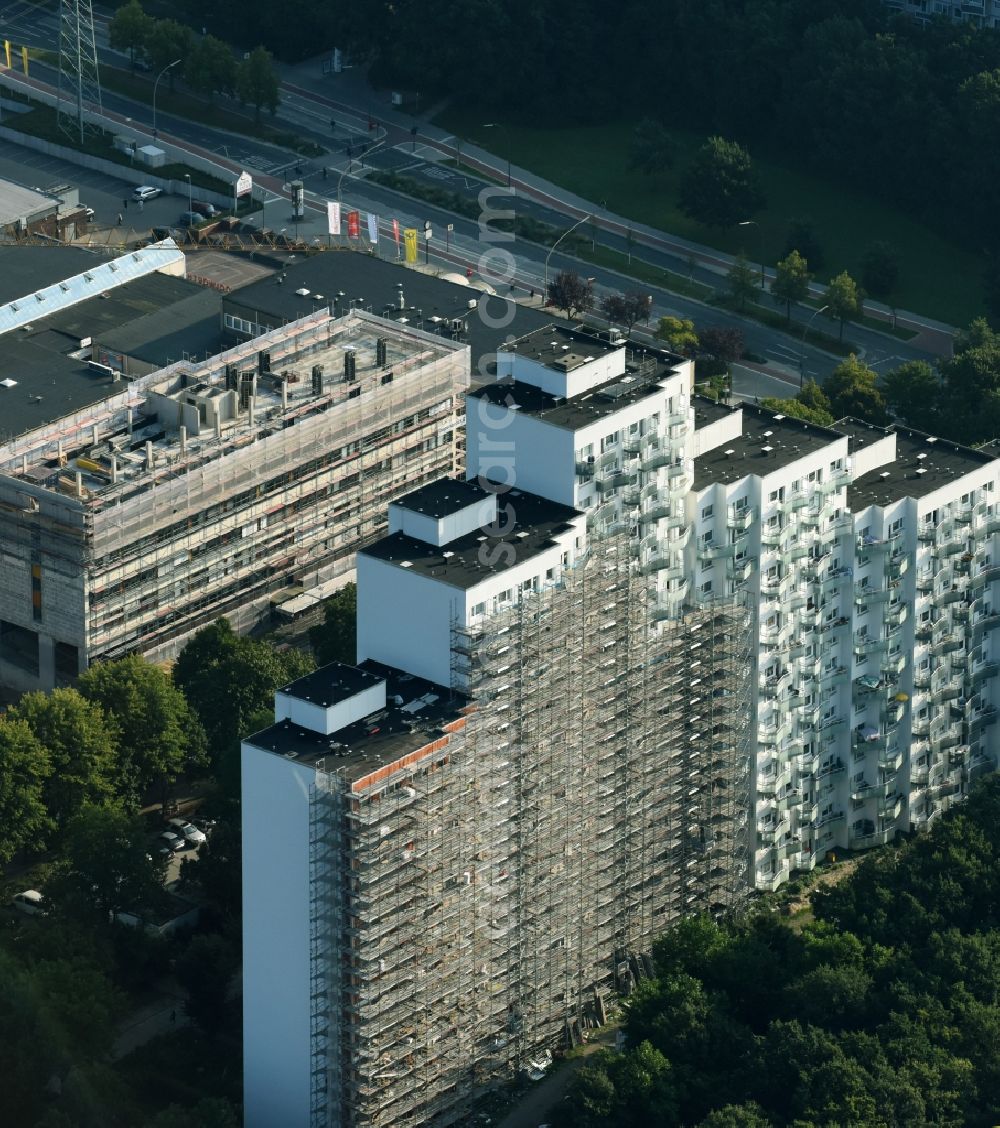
(214, 488)
(457, 850)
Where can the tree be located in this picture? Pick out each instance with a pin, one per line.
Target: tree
(257, 82)
(205, 971)
(159, 734)
(209, 1112)
(571, 293)
(129, 29)
(652, 148)
(627, 309)
(24, 768)
(210, 68)
(336, 640)
(168, 40)
(970, 392)
(811, 395)
(791, 281)
(912, 392)
(82, 748)
(678, 333)
(797, 410)
(852, 391)
(217, 871)
(802, 238)
(106, 864)
(724, 343)
(880, 270)
(720, 188)
(227, 679)
(845, 300)
(741, 281)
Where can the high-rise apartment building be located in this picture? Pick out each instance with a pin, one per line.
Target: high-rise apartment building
(654, 652)
(982, 13)
(538, 764)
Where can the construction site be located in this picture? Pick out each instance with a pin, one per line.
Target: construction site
(479, 891)
(215, 488)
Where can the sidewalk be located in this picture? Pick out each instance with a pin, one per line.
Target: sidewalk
(160, 1016)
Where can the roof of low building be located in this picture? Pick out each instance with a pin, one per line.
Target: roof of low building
(442, 497)
(330, 684)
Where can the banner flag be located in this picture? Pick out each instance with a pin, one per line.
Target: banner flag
(333, 217)
(354, 224)
(410, 240)
(372, 227)
(395, 232)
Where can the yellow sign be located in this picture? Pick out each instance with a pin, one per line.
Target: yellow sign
(6, 50)
(410, 242)
(24, 59)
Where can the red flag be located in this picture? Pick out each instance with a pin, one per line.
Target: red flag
(354, 224)
(395, 231)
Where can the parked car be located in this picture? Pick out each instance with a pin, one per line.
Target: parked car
(188, 831)
(30, 901)
(202, 208)
(190, 219)
(146, 192)
(169, 842)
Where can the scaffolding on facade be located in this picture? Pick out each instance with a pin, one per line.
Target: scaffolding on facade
(596, 790)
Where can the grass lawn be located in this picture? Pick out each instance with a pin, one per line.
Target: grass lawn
(936, 277)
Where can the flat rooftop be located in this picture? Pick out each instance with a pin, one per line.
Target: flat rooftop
(446, 495)
(17, 201)
(561, 347)
(708, 411)
(24, 270)
(294, 351)
(329, 685)
(462, 562)
(768, 442)
(641, 379)
(189, 328)
(429, 302)
(415, 715)
(922, 465)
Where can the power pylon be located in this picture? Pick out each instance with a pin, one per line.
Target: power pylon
(79, 77)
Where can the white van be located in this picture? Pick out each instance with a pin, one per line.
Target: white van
(30, 902)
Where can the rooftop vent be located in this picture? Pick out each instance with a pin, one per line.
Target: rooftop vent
(303, 292)
(921, 456)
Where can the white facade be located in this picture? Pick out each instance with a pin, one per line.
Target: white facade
(276, 985)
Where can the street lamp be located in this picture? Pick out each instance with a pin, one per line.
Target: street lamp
(500, 125)
(187, 177)
(760, 232)
(802, 351)
(545, 286)
(155, 85)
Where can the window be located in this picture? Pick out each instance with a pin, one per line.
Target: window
(706, 512)
(706, 588)
(36, 592)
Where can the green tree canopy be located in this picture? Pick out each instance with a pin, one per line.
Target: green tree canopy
(721, 187)
(336, 638)
(798, 410)
(652, 149)
(130, 29)
(912, 393)
(880, 270)
(227, 679)
(107, 865)
(257, 82)
(167, 41)
(25, 766)
(159, 737)
(844, 299)
(791, 281)
(852, 390)
(210, 67)
(741, 281)
(626, 310)
(678, 333)
(81, 743)
(205, 971)
(802, 238)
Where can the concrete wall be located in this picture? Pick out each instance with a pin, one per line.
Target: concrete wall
(276, 1003)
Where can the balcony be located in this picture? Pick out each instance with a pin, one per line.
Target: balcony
(951, 548)
(714, 551)
(981, 722)
(863, 839)
(865, 594)
(829, 817)
(654, 513)
(868, 545)
(838, 480)
(836, 577)
(947, 645)
(890, 807)
(881, 790)
(655, 457)
(585, 469)
(831, 767)
(891, 760)
(771, 687)
(796, 501)
(610, 480)
(740, 520)
(739, 571)
(986, 575)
